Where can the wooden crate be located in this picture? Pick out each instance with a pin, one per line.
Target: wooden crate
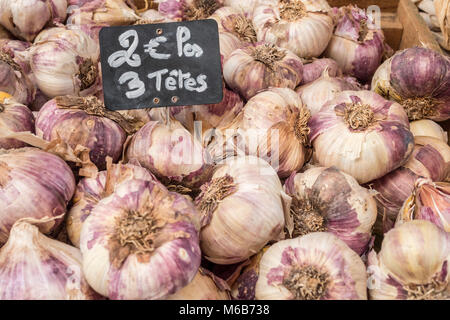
(402, 25)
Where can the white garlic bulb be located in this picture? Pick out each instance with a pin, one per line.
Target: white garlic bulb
(317, 266)
(34, 267)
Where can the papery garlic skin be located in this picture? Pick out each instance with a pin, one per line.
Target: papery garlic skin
(412, 264)
(315, 69)
(362, 134)
(35, 267)
(235, 22)
(34, 184)
(302, 26)
(90, 191)
(418, 79)
(259, 66)
(430, 159)
(64, 62)
(77, 126)
(326, 199)
(171, 153)
(246, 7)
(317, 266)
(429, 201)
(428, 128)
(125, 260)
(228, 43)
(316, 93)
(26, 18)
(154, 16)
(243, 208)
(14, 117)
(188, 10)
(204, 286)
(357, 43)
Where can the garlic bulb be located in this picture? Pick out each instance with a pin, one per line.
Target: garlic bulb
(357, 43)
(235, 22)
(314, 69)
(302, 26)
(412, 264)
(429, 201)
(246, 7)
(430, 159)
(418, 79)
(64, 62)
(141, 242)
(153, 16)
(85, 122)
(26, 18)
(104, 12)
(15, 77)
(33, 184)
(204, 286)
(428, 128)
(182, 10)
(361, 134)
(243, 208)
(272, 126)
(316, 93)
(228, 42)
(17, 118)
(326, 199)
(317, 266)
(34, 267)
(170, 152)
(90, 191)
(259, 66)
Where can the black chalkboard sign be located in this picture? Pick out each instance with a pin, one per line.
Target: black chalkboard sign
(160, 65)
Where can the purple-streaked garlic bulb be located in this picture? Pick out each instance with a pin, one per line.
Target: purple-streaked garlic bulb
(430, 159)
(228, 43)
(235, 22)
(171, 153)
(188, 10)
(65, 62)
(429, 201)
(35, 267)
(14, 117)
(316, 93)
(15, 74)
(357, 44)
(317, 266)
(418, 79)
(90, 191)
(412, 264)
(314, 69)
(259, 66)
(273, 126)
(141, 242)
(85, 122)
(244, 286)
(204, 286)
(33, 184)
(104, 13)
(428, 128)
(26, 18)
(362, 134)
(243, 208)
(246, 7)
(302, 26)
(326, 199)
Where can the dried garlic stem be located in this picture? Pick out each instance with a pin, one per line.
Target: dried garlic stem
(307, 283)
(5, 57)
(179, 189)
(301, 128)
(364, 30)
(201, 9)
(420, 108)
(358, 116)
(268, 54)
(214, 192)
(436, 290)
(244, 29)
(87, 74)
(306, 216)
(292, 10)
